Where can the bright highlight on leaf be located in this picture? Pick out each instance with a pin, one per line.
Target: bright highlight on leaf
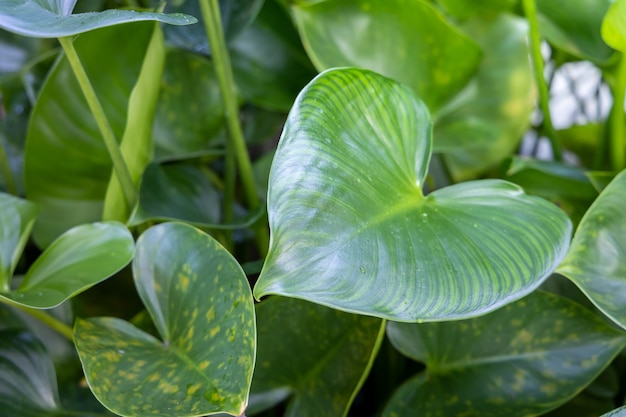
(523, 360)
(201, 305)
(352, 230)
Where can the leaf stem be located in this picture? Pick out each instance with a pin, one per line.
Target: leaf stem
(46, 318)
(616, 121)
(530, 10)
(213, 26)
(119, 165)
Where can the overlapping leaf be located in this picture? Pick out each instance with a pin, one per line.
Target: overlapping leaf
(410, 42)
(596, 261)
(200, 302)
(352, 230)
(330, 353)
(525, 359)
(53, 18)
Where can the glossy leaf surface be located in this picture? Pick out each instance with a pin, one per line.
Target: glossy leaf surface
(77, 260)
(596, 261)
(410, 42)
(53, 18)
(67, 167)
(329, 353)
(614, 26)
(527, 358)
(352, 230)
(200, 302)
(16, 221)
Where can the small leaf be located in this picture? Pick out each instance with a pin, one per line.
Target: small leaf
(330, 353)
(200, 301)
(614, 26)
(410, 42)
(523, 360)
(52, 18)
(596, 260)
(17, 217)
(352, 230)
(77, 260)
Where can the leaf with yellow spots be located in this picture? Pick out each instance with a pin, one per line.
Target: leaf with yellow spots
(201, 304)
(513, 362)
(315, 356)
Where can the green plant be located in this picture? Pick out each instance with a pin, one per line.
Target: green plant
(418, 259)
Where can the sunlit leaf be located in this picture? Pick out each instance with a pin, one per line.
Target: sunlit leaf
(77, 260)
(330, 353)
(410, 42)
(53, 18)
(614, 26)
(523, 360)
(352, 230)
(596, 261)
(200, 301)
(463, 9)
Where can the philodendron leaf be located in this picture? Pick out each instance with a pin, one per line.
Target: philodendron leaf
(523, 360)
(410, 42)
(351, 228)
(53, 18)
(77, 260)
(330, 354)
(200, 301)
(17, 217)
(596, 261)
(67, 167)
(614, 26)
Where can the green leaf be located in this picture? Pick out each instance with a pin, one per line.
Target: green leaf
(136, 145)
(576, 29)
(330, 354)
(67, 167)
(77, 260)
(523, 360)
(596, 260)
(17, 217)
(53, 18)
(463, 9)
(352, 230)
(484, 126)
(410, 42)
(614, 26)
(200, 301)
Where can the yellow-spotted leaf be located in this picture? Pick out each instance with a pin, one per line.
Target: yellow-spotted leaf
(596, 261)
(330, 354)
(352, 229)
(409, 41)
(523, 360)
(201, 305)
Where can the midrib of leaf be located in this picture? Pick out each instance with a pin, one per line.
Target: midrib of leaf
(189, 362)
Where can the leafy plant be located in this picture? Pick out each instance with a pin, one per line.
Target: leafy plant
(426, 249)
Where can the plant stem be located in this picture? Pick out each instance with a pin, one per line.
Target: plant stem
(47, 319)
(530, 11)
(119, 165)
(213, 26)
(616, 122)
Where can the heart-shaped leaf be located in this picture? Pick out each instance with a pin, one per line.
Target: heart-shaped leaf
(67, 167)
(523, 360)
(352, 230)
(53, 18)
(596, 261)
(17, 217)
(200, 301)
(77, 260)
(614, 26)
(410, 42)
(330, 354)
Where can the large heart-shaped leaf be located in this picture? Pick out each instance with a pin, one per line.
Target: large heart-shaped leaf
(352, 230)
(67, 167)
(523, 360)
(17, 217)
(77, 260)
(330, 353)
(596, 261)
(53, 18)
(410, 42)
(200, 301)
